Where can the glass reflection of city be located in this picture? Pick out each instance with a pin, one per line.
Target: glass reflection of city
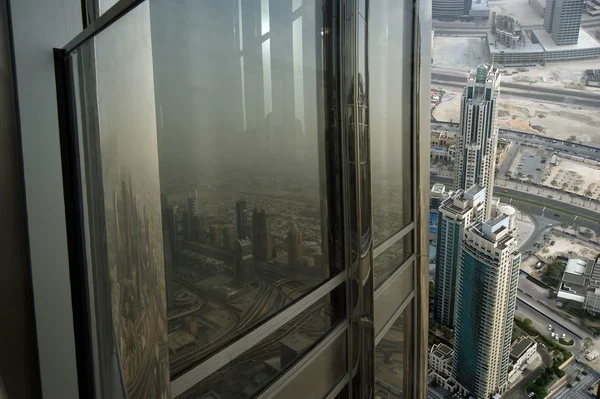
(245, 186)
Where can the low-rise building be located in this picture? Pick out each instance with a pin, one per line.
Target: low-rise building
(521, 354)
(440, 366)
(581, 284)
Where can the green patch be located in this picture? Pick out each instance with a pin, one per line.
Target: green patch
(567, 343)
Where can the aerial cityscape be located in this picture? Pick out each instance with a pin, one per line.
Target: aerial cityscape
(515, 173)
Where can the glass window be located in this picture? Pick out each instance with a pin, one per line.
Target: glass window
(392, 359)
(205, 118)
(238, 86)
(251, 372)
(390, 109)
(392, 256)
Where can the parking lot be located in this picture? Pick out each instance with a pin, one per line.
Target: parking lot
(530, 163)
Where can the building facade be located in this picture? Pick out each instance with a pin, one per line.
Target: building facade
(291, 105)
(485, 306)
(478, 133)
(563, 20)
(440, 366)
(455, 214)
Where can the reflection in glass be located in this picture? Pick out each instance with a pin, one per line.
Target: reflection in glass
(390, 362)
(388, 260)
(390, 108)
(239, 137)
(254, 370)
(115, 122)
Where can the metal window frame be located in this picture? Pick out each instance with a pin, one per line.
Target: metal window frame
(418, 226)
(392, 240)
(187, 380)
(305, 361)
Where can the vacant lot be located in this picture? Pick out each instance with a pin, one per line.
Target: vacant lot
(559, 121)
(565, 246)
(576, 177)
(458, 53)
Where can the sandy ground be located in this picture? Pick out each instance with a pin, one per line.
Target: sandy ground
(565, 246)
(529, 265)
(553, 120)
(520, 10)
(562, 75)
(458, 53)
(576, 177)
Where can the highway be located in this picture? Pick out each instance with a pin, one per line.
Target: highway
(528, 202)
(544, 94)
(532, 139)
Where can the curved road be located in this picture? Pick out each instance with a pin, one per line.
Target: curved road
(529, 202)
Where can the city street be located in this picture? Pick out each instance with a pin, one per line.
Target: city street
(519, 390)
(532, 203)
(541, 322)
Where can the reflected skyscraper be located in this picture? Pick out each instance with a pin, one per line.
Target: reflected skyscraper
(169, 243)
(192, 215)
(241, 218)
(244, 264)
(295, 252)
(262, 242)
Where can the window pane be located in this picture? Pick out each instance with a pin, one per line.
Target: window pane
(254, 370)
(203, 147)
(388, 260)
(240, 133)
(390, 109)
(391, 363)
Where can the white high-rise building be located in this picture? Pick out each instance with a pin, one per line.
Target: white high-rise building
(486, 293)
(478, 133)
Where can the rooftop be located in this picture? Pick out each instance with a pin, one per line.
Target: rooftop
(438, 188)
(519, 347)
(585, 41)
(442, 351)
(576, 267)
(474, 190)
(296, 342)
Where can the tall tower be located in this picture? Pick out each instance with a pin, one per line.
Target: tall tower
(192, 215)
(244, 272)
(454, 216)
(478, 133)
(262, 242)
(294, 246)
(562, 20)
(241, 218)
(169, 226)
(486, 292)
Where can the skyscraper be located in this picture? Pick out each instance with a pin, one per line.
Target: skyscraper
(455, 215)
(486, 292)
(192, 215)
(478, 133)
(450, 8)
(169, 226)
(562, 19)
(262, 242)
(244, 272)
(241, 218)
(294, 239)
